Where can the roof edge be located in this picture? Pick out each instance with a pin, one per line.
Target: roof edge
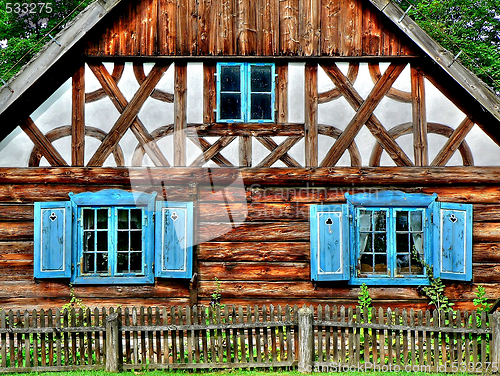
(463, 76)
(51, 53)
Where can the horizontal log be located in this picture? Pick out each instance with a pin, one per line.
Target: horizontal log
(486, 252)
(236, 193)
(16, 213)
(487, 213)
(486, 273)
(213, 212)
(25, 247)
(245, 129)
(254, 271)
(258, 251)
(16, 230)
(253, 231)
(366, 176)
(165, 289)
(486, 232)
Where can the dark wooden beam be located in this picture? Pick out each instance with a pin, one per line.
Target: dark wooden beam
(78, 118)
(364, 115)
(212, 151)
(311, 114)
(271, 145)
(420, 144)
(245, 151)
(282, 92)
(279, 152)
(118, 99)
(218, 158)
(453, 143)
(312, 177)
(42, 143)
(180, 114)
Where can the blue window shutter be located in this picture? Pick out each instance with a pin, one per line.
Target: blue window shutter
(453, 251)
(329, 242)
(174, 239)
(52, 240)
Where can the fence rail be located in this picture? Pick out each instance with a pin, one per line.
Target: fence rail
(324, 338)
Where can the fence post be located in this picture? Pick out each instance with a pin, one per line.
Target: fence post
(495, 339)
(113, 339)
(306, 339)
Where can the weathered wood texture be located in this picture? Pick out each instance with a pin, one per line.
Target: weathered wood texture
(248, 28)
(253, 237)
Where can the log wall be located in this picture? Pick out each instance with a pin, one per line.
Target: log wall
(248, 28)
(253, 237)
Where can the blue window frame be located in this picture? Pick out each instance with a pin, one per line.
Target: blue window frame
(245, 92)
(387, 238)
(108, 237)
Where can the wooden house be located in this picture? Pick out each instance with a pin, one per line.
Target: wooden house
(302, 210)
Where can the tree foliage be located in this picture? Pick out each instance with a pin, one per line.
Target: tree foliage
(472, 26)
(23, 34)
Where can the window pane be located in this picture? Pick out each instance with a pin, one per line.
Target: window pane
(136, 241)
(88, 219)
(122, 264)
(102, 218)
(416, 221)
(261, 107)
(122, 219)
(261, 79)
(88, 241)
(380, 243)
(365, 220)
(366, 243)
(380, 263)
(230, 106)
(88, 263)
(401, 221)
(136, 262)
(135, 219)
(102, 241)
(402, 243)
(123, 241)
(230, 79)
(366, 262)
(102, 262)
(402, 264)
(379, 219)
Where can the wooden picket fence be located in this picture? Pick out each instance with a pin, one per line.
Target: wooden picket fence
(325, 338)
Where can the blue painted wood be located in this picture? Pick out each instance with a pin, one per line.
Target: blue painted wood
(455, 241)
(174, 239)
(113, 199)
(390, 199)
(329, 242)
(242, 92)
(52, 240)
(249, 92)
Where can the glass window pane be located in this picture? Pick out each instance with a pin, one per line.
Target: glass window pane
(366, 263)
(136, 241)
(102, 262)
(136, 262)
(135, 219)
(416, 221)
(88, 219)
(380, 263)
(102, 241)
(230, 106)
(379, 219)
(102, 218)
(401, 221)
(230, 79)
(123, 241)
(88, 241)
(261, 79)
(365, 220)
(402, 243)
(380, 243)
(261, 107)
(88, 263)
(122, 262)
(402, 264)
(122, 219)
(365, 243)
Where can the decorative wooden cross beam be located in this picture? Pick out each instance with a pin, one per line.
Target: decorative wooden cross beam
(128, 118)
(364, 115)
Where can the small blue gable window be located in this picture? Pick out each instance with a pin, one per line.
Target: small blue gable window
(387, 238)
(108, 237)
(245, 92)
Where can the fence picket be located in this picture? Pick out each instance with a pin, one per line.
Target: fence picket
(350, 331)
(459, 339)
(280, 335)
(335, 336)
(288, 316)
(397, 320)
(483, 341)
(320, 334)
(420, 334)
(272, 329)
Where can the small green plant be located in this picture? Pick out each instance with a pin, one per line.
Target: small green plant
(364, 300)
(481, 301)
(75, 303)
(216, 295)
